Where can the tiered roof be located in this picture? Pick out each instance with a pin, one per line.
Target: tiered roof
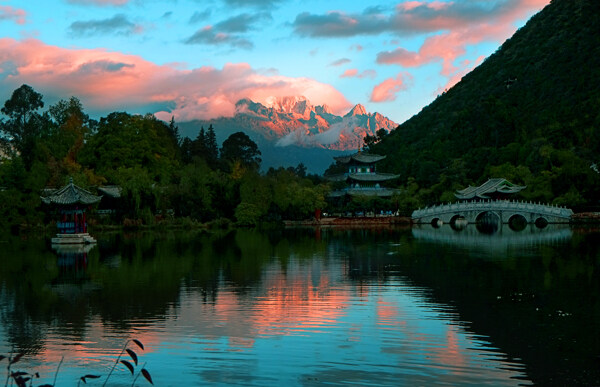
(113, 191)
(363, 158)
(71, 194)
(367, 177)
(498, 185)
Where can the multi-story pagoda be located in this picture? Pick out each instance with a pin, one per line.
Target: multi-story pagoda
(362, 177)
(493, 189)
(71, 203)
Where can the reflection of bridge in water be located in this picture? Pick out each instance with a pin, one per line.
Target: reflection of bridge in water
(496, 211)
(499, 239)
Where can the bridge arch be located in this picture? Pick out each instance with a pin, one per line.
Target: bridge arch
(517, 222)
(488, 217)
(541, 222)
(436, 222)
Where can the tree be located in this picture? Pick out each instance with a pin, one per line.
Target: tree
(24, 124)
(212, 149)
(65, 139)
(239, 147)
(199, 145)
(128, 141)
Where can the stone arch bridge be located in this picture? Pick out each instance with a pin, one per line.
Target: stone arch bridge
(504, 211)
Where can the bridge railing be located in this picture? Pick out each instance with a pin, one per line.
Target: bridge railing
(498, 205)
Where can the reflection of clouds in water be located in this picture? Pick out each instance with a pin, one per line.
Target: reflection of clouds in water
(304, 320)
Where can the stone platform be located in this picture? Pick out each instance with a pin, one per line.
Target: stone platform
(73, 239)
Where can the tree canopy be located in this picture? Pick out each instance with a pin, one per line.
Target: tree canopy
(239, 147)
(529, 113)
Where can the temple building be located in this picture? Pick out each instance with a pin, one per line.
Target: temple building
(362, 177)
(71, 203)
(493, 189)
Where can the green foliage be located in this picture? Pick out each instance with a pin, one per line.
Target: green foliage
(24, 124)
(239, 147)
(128, 141)
(529, 112)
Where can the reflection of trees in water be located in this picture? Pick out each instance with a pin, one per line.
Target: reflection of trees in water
(537, 301)
(45, 288)
(514, 297)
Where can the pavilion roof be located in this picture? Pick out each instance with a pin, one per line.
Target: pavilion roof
(364, 158)
(113, 191)
(381, 192)
(491, 186)
(71, 194)
(370, 176)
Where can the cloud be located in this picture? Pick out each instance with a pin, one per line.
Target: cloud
(242, 22)
(102, 66)
(208, 35)
(411, 17)
(350, 73)
(107, 81)
(117, 25)
(458, 25)
(199, 16)
(264, 4)
(101, 3)
(386, 91)
(353, 73)
(338, 24)
(14, 14)
(340, 62)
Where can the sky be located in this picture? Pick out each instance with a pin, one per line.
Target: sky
(194, 59)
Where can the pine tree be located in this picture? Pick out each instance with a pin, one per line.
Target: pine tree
(212, 149)
(199, 145)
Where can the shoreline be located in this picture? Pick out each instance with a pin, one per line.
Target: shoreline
(349, 222)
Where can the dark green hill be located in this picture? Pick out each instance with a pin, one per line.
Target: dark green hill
(530, 113)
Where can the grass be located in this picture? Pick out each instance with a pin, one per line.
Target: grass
(25, 379)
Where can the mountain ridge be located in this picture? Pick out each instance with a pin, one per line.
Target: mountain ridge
(294, 121)
(529, 113)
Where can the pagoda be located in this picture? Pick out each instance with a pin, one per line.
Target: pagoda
(493, 189)
(362, 177)
(71, 202)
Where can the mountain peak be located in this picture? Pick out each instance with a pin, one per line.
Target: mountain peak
(289, 104)
(357, 110)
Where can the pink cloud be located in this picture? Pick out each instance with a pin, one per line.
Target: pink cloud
(448, 46)
(386, 91)
(106, 81)
(14, 14)
(353, 73)
(464, 69)
(101, 3)
(350, 73)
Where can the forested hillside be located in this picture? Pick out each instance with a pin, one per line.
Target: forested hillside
(162, 177)
(530, 113)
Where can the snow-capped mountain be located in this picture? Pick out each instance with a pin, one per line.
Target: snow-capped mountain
(294, 122)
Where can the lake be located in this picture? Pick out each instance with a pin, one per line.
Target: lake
(382, 306)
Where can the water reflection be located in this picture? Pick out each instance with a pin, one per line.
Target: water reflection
(498, 238)
(301, 307)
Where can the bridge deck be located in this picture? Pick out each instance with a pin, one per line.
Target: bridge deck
(499, 206)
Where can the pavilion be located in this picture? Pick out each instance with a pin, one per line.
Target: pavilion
(493, 189)
(362, 177)
(71, 201)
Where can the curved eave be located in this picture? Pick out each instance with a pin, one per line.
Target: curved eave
(71, 195)
(335, 178)
(363, 158)
(381, 192)
(372, 177)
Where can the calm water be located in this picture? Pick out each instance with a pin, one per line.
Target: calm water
(418, 306)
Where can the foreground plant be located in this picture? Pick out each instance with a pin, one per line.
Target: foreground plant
(128, 364)
(21, 378)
